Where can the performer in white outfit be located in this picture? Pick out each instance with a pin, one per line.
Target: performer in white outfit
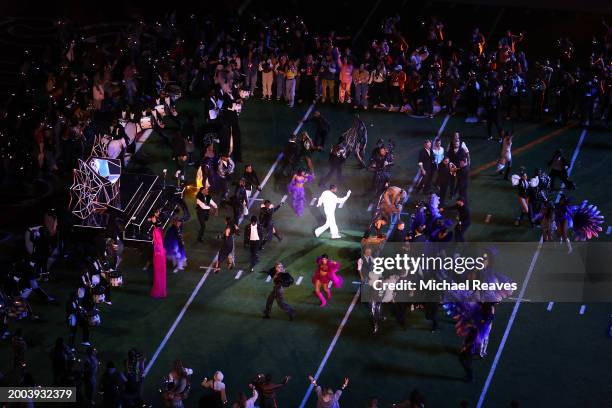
(329, 200)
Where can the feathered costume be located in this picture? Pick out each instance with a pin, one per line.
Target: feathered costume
(355, 140)
(296, 191)
(586, 221)
(324, 274)
(476, 308)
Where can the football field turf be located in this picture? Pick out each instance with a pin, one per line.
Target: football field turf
(549, 358)
(557, 357)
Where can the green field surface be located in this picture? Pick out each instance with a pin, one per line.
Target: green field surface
(550, 358)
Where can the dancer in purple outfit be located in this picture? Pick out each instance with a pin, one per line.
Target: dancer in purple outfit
(296, 190)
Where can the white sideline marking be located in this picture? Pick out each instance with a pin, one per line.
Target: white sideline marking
(179, 317)
(331, 347)
(209, 268)
(521, 300)
(487, 384)
(569, 171)
(573, 161)
(504, 339)
(299, 280)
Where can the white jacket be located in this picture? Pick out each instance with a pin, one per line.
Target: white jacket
(329, 200)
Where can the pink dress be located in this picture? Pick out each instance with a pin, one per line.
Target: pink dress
(331, 276)
(159, 265)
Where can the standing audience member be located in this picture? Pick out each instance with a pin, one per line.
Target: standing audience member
(327, 398)
(90, 372)
(215, 395)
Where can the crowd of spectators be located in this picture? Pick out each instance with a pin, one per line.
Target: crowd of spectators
(81, 87)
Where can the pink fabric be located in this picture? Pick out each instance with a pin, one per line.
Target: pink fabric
(159, 265)
(331, 276)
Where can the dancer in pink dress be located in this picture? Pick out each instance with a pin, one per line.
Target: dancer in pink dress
(159, 264)
(325, 273)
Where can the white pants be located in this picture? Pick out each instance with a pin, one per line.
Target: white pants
(330, 222)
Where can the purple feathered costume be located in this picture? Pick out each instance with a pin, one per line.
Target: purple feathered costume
(296, 191)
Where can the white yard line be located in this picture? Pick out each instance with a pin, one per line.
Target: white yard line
(504, 339)
(332, 345)
(569, 171)
(444, 122)
(500, 350)
(573, 161)
(522, 300)
(179, 317)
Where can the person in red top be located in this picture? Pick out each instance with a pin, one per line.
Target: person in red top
(397, 80)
